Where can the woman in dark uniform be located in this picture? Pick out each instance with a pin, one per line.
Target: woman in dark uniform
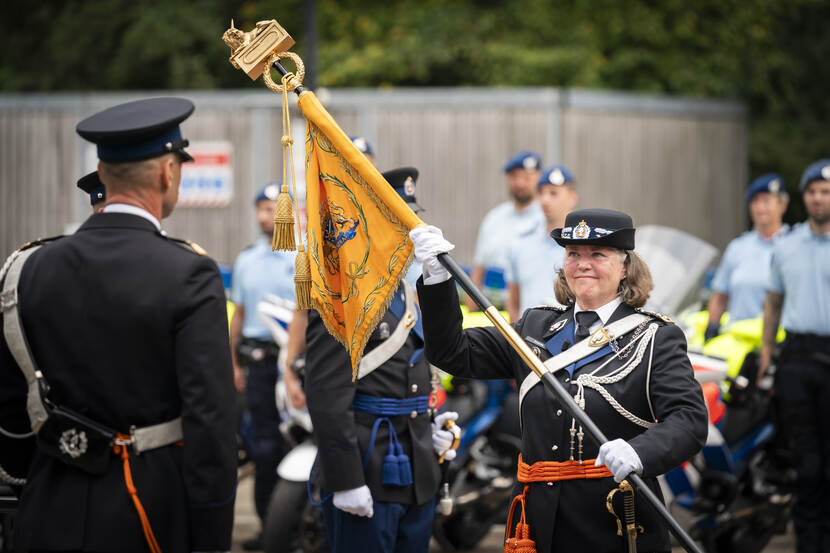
(627, 368)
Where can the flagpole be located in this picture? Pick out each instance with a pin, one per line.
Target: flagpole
(533, 361)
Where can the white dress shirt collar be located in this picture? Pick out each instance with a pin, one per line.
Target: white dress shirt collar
(133, 210)
(603, 312)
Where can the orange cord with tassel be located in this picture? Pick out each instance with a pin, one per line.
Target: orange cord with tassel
(120, 448)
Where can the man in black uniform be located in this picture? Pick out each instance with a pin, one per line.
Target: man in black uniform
(125, 329)
(376, 462)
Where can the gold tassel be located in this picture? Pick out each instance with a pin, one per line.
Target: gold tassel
(283, 223)
(302, 279)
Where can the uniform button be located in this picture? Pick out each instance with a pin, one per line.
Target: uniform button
(414, 388)
(567, 379)
(536, 352)
(554, 448)
(550, 484)
(413, 414)
(559, 412)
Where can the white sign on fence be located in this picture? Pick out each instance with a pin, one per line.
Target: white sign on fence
(208, 180)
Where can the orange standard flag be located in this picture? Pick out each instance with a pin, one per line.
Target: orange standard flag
(358, 232)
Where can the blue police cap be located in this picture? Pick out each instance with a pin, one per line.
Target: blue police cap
(596, 227)
(771, 182)
(525, 159)
(138, 130)
(403, 181)
(268, 192)
(363, 145)
(92, 185)
(818, 170)
(556, 175)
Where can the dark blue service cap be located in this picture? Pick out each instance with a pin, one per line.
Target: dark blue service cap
(596, 227)
(363, 145)
(403, 181)
(818, 170)
(531, 161)
(268, 192)
(556, 175)
(138, 130)
(92, 185)
(772, 183)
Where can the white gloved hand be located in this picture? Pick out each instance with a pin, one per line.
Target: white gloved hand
(429, 242)
(620, 458)
(442, 439)
(357, 501)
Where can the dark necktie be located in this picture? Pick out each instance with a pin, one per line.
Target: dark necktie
(585, 320)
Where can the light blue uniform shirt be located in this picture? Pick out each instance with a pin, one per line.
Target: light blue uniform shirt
(533, 262)
(801, 272)
(256, 272)
(500, 227)
(744, 271)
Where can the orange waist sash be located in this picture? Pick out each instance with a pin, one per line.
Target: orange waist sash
(554, 471)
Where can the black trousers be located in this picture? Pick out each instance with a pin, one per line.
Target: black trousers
(803, 390)
(266, 445)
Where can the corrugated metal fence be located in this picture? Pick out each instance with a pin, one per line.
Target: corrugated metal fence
(676, 162)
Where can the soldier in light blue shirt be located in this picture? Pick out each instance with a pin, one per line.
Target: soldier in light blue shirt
(259, 271)
(534, 259)
(505, 222)
(740, 284)
(799, 297)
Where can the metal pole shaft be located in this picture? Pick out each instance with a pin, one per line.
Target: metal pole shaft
(283, 71)
(559, 392)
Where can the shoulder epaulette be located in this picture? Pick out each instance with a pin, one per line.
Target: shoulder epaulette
(557, 308)
(39, 242)
(188, 245)
(664, 318)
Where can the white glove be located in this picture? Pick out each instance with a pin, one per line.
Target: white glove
(442, 439)
(357, 501)
(620, 458)
(429, 242)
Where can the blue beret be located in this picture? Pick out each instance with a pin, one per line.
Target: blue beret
(268, 192)
(596, 227)
(363, 145)
(403, 181)
(771, 182)
(524, 160)
(818, 170)
(92, 185)
(556, 175)
(138, 130)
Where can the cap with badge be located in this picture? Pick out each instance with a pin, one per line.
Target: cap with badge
(596, 227)
(268, 192)
(92, 185)
(771, 183)
(138, 130)
(530, 161)
(403, 181)
(363, 145)
(818, 170)
(556, 175)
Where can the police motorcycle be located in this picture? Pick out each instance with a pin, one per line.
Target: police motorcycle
(291, 523)
(735, 494)
(479, 482)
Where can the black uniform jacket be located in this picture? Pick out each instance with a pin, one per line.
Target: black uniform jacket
(343, 434)
(128, 328)
(571, 515)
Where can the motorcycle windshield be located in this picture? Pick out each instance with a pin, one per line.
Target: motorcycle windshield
(678, 262)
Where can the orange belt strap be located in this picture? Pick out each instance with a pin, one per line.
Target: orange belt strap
(120, 449)
(554, 471)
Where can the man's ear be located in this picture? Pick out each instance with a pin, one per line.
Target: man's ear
(166, 173)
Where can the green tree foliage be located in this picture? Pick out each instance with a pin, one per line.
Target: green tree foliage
(767, 53)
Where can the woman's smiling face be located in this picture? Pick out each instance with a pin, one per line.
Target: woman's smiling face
(594, 273)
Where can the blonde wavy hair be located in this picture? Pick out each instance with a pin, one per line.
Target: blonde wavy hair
(634, 289)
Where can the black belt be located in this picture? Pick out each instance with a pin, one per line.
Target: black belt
(807, 348)
(253, 349)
